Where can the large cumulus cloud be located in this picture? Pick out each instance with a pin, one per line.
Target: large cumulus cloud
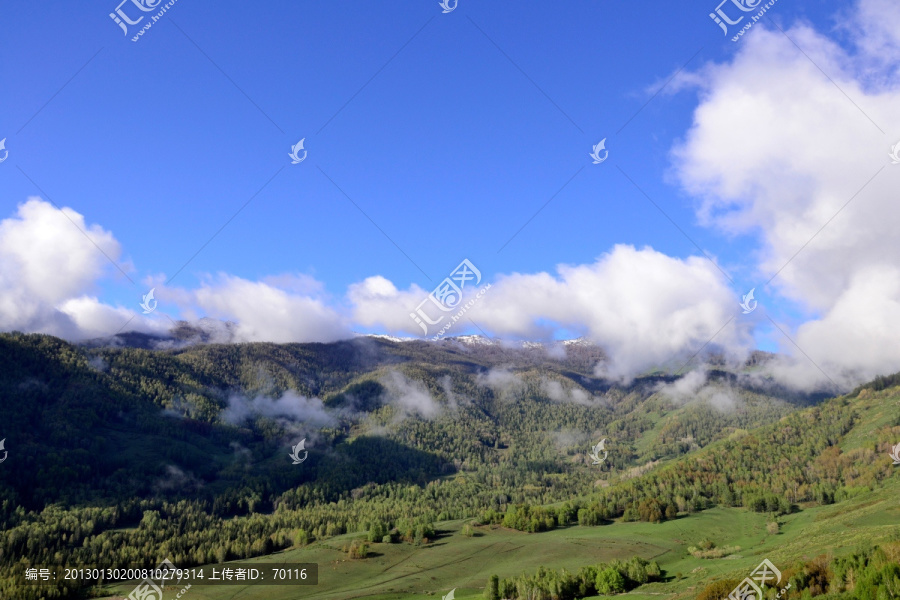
(779, 150)
(50, 261)
(642, 306)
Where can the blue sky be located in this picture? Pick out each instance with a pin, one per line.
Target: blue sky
(449, 131)
(450, 148)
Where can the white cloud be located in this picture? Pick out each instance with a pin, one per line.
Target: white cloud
(410, 397)
(877, 27)
(177, 480)
(290, 408)
(856, 339)
(377, 302)
(555, 390)
(503, 382)
(49, 257)
(48, 269)
(721, 398)
(453, 400)
(694, 386)
(95, 319)
(98, 363)
(641, 306)
(684, 388)
(777, 149)
(264, 312)
(556, 351)
(49, 272)
(567, 439)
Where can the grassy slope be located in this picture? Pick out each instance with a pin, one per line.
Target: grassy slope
(404, 572)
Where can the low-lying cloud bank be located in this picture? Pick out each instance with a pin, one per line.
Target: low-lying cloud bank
(291, 410)
(642, 306)
(505, 384)
(409, 397)
(298, 414)
(695, 386)
(557, 392)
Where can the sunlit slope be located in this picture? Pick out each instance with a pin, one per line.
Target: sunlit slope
(867, 514)
(402, 571)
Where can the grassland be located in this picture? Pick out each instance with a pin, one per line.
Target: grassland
(403, 572)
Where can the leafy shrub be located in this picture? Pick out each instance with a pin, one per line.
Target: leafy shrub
(610, 581)
(358, 549)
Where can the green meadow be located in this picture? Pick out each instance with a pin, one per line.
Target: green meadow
(454, 561)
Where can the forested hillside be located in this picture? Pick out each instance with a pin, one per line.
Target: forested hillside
(120, 456)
